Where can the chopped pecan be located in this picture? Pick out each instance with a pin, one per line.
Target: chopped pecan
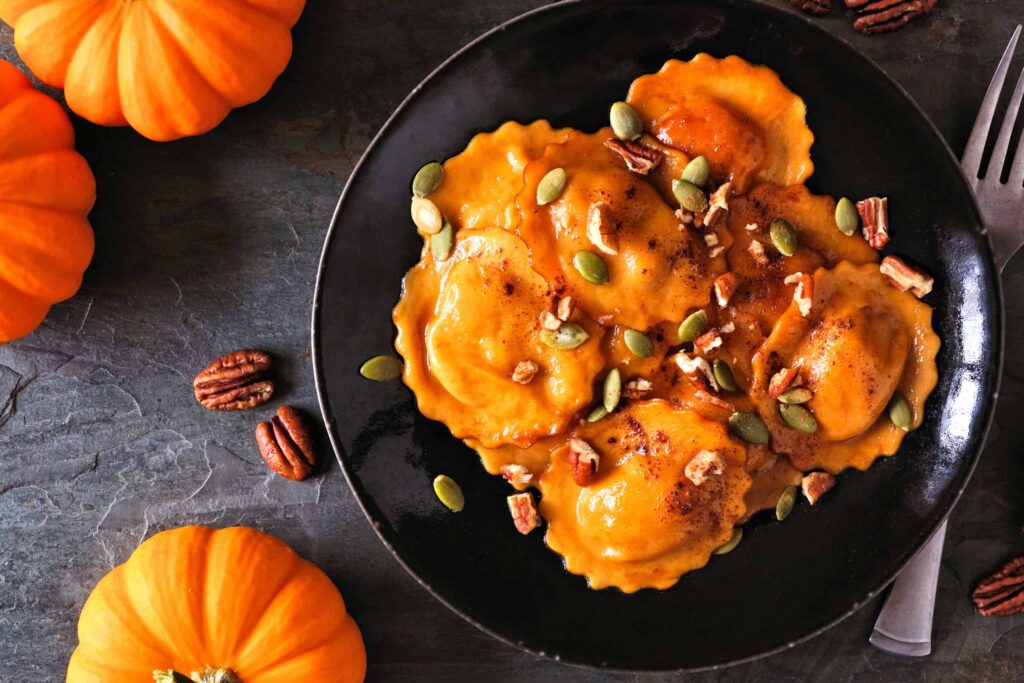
(752, 227)
(905, 278)
(525, 371)
(703, 466)
(517, 475)
(815, 7)
(235, 381)
(1002, 594)
(727, 328)
(685, 217)
(815, 485)
(711, 239)
(725, 286)
(549, 321)
(719, 204)
(716, 252)
(524, 512)
(874, 217)
(584, 461)
(783, 380)
(803, 295)
(709, 341)
(708, 397)
(882, 16)
(793, 278)
(566, 307)
(697, 370)
(601, 229)
(756, 251)
(639, 158)
(637, 388)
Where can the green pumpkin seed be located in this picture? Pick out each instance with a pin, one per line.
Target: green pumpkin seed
(551, 186)
(612, 389)
(427, 179)
(597, 414)
(783, 236)
(449, 493)
(798, 417)
(689, 196)
(381, 369)
(697, 171)
(567, 337)
(441, 243)
(723, 375)
(693, 326)
(847, 220)
(591, 266)
(737, 536)
(786, 502)
(638, 343)
(748, 427)
(626, 123)
(900, 413)
(796, 396)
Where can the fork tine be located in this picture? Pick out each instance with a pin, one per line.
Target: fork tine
(995, 164)
(971, 162)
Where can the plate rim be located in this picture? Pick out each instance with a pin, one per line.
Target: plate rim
(974, 455)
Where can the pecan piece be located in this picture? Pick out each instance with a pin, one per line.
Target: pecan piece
(756, 251)
(639, 158)
(1002, 594)
(549, 321)
(708, 342)
(783, 380)
(285, 444)
(703, 466)
(517, 475)
(882, 16)
(524, 512)
(584, 460)
(815, 7)
(803, 295)
(566, 307)
(815, 485)
(719, 204)
(637, 388)
(601, 229)
(525, 371)
(725, 286)
(874, 216)
(708, 397)
(235, 381)
(905, 278)
(697, 370)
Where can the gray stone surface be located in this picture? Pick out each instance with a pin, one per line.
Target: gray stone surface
(210, 244)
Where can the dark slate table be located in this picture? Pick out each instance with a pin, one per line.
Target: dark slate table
(210, 244)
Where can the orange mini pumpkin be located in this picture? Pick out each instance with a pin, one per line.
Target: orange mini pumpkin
(46, 191)
(167, 68)
(217, 605)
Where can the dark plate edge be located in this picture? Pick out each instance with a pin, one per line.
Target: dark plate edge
(923, 538)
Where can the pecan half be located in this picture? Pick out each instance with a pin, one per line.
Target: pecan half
(703, 466)
(525, 371)
(639, 158)
(815, 485)
(235, 381)
(725, 286)
(708, 397)
(584, 460)
(285, 444)
(1002, 594)
(905, 278)
(601, 229)
(874, 216)
(637, 388)
(719, 204)
(517, 475)
(524, 512)
(815, 7)
(782, 380)
(882, 16)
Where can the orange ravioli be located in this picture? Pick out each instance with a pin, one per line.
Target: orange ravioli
(481, 182)
(660, 269)
(642, 523)
(465, 323)
(862, 340)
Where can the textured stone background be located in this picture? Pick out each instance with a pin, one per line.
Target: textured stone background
(210, 244)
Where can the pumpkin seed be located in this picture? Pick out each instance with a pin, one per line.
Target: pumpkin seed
(796, 396)
(426, 215)
(900, 413)
(381, 369)
(786, 502)
(591, 266)
(798, 417)
(449, 493)
(598, 413)
(847, 220)
(441, 243)
(697, 171)
(737, 536)
(638, 343)
(612, 389)
(567, 337)
(427, 179)
(723, 375)
(626, 123)
(551, 186)
(783, 236)
(689, 196)
(693, 326)
(748, 427)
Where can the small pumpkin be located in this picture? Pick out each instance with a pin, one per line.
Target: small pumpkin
(168, 68)
(216, 605)
(46, 192)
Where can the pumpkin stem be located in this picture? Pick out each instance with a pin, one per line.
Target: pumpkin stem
(170, 676)
(215, 675)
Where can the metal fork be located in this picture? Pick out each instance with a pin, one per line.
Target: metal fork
(905, 624)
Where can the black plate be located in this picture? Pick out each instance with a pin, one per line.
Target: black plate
(786, 581)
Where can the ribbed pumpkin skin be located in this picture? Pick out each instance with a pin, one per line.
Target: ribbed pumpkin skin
(168, 68)
(233, 598)
(46, 192)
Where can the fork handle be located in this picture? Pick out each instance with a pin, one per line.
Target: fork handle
(904, 626)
